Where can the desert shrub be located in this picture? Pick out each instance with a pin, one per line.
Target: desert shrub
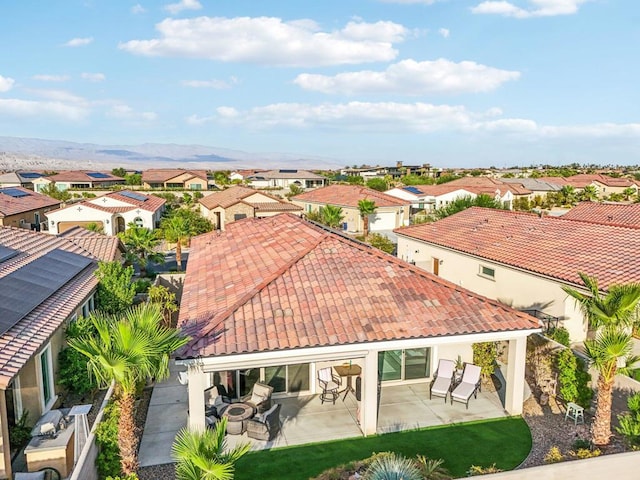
(142, 285)
(554, 455)
(381, 242)
(581, 443)
(20, 433)
(560, 335)
(630, 422)
(108, 460)
(582, 453)
(392, 467)
(131, 476)
(475, 470)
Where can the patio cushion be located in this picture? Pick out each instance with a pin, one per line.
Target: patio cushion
(463, 391)
(30, 476)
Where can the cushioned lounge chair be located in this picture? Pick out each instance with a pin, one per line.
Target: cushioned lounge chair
(265, 426)
(260, 397)
(442, 379)
(469, 385)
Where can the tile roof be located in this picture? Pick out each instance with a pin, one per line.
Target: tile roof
(81, 176)
(31, 201)
(25, 338)
(282, 283)
(103, 247)
(288, 174)
(490, 185)
(534, 184)
(151, 204)
(231, 196)
(155, 175)
(276, 207)
(349, 196)
(582, 180)
(550, 246)
(606, 213)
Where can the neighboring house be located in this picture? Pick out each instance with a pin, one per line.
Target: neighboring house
(273, 301)
(522, 259)
(606, 213)
(605, 185)
(365, 172)
(283, 179)
(112, 212)
(391, 212)
(433, 197)
(236, 203)
(240, 175)
(175, 178)
(46, 282)
(19, 179)
(536, 186)
(20, 207)
(507, 192)
(78, 179)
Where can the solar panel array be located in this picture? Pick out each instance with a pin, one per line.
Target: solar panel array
(6, 253)
(288, 171)
(98, 175)
(134, 196)
(413, 190)
(14, 192)
(30, 175)
(26, 288)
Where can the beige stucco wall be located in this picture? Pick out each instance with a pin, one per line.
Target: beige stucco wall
(28, 217)
(351, 215)
(513, 287)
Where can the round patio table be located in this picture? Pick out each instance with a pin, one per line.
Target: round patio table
(237, 415)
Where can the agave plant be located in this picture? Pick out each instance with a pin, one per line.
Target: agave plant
(392, 467)
(432, 469)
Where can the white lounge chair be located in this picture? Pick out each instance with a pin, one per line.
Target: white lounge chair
(469, 384)
(443, 376)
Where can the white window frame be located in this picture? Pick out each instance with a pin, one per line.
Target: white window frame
(488, 276)
(17, 398)
(46, 406)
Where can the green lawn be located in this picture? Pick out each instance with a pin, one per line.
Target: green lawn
(505, 441)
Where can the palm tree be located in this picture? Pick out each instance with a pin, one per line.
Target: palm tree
(331, 216)
(568, 194)
(202, 455)
(589, 193)
(367, 207)
(613, 315)
(128, 350)
(628, 193)
(141, 244)
(179, 229)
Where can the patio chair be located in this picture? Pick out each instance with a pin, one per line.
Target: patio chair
(330, 384)
(265, 426)
(442, 379)
(214, 403)
(260, 397)
(469, 384)
(46, 473)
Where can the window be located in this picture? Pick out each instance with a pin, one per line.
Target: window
(239, 216)
(85, 309)
(195, 186)
(139, 222)
(288, 378)
(283, 378)
(410, 364)
(46, 379)
(487, 272)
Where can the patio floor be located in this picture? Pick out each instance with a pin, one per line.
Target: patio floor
(306, 420)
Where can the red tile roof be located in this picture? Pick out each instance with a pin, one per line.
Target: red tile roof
(582, 180)
(606, 213)
(32, 201)
(489, 185)
(276, 207)
(25, 338)
(161, 175)
(81, 176)
(231, 196)
(151, 204)
(550, 246)
(349, 196)
(281, 283)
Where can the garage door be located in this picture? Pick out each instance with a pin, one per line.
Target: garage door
(382, 221)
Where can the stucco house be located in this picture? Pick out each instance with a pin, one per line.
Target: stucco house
(112, 212)
(236, 203)
(619, 214)
(175, 178)
(507, 192)
(284, 178)
(432, 197)
(523, 260)
(19, 178)
(24, 208)
(391, 212)
(83, 179)
(46, 282)
(274, 300)
(605, 185)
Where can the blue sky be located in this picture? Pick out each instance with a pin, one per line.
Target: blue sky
(446, 82)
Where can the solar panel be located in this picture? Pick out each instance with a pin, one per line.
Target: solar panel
(413, 190)
(26, 288)
(134, 196)
(14, 192)
(288, 171)
(98, 175)
(30, 174)
(6, 253)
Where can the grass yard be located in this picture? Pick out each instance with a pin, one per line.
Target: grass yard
(505, 442)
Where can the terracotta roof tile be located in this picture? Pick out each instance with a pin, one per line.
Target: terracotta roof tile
(151, 204)
(233, 195)
(550, 246)
(606, 213)
(82, 176)
(10, 205)
(489, 185)
(155, 175)
(582, 180)
(276, 207)
(349, 196)
(281, 283)
(287, 174)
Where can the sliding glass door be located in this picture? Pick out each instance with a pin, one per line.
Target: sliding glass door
(410, 364)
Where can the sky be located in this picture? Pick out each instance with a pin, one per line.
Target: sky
(453, 83)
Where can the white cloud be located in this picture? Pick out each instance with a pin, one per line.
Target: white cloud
(93, 77)
(58, 96)
(51, 78)
(79, 42)
(271, 41)
(410, 77)
(6, 83)
(125, 112)
(138, 9)
(174, 8)
(29, 108)
(214, 83)
(537, 8)
(444, 32)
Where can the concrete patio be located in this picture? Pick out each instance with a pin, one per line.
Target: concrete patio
(306, 420)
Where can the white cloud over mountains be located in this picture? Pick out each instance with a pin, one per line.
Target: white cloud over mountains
(410, 77)
(271, 41)
(536, 8)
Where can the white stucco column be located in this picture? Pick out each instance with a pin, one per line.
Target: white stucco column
(515, 376)
(196, 386)
(369, 406)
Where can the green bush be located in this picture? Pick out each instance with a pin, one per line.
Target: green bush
(142, 285)
(560, 335)
(485, 355)
(381, 243)
(479, 470)
(20, 433)
(73, 373)
(630, 422)
(131, 476)
(108, 460)
(573, 378)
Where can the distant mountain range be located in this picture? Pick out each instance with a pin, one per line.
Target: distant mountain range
(33, 153)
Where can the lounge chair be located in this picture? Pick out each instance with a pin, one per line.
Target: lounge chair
(469, 384)
(442, 379)
(330, 384)
(265, 426)
(259, 398)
